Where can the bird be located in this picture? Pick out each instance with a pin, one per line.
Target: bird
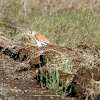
(40, 39)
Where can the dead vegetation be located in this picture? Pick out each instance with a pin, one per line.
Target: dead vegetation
(84, 77)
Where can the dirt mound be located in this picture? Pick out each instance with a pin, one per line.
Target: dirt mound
(86, 81)
(84, 75)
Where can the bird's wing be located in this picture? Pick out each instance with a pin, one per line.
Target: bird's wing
(41, 38)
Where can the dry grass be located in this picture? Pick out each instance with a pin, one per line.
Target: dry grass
(63, 22)
(24, 37)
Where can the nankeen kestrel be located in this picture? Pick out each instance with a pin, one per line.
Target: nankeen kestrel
(40, 39)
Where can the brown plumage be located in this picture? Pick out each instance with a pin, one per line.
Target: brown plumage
(40, 39)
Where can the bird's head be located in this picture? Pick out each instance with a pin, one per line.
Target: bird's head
(33, 33)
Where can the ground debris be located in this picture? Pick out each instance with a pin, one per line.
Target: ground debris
(22, 62)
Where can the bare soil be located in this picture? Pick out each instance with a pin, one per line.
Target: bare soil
(22, 85)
